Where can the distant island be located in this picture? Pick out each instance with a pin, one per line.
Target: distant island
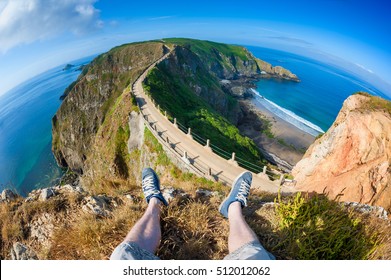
(68, 66)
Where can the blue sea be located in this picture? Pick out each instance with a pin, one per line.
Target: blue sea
(26, 160)
(312, 104)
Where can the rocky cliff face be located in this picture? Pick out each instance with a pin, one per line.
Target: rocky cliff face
(352, 160)
(276, 71)
(93, 97)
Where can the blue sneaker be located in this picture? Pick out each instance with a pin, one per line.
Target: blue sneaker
(151, 185)
(239, 192)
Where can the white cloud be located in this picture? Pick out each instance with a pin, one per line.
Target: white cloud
(26, 21)
(363, 67)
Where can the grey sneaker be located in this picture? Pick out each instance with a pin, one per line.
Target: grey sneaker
(239, 192)
(151, 185)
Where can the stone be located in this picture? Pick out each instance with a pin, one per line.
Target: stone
(206, 193)
(201, 192)
(8, 195)
(29, 199)
(71, 188)
(169, 193)
(130, 197)
(46, 194)
(20, 251)
(42, 228)
(96, 205)
(136, 137)
(378, 211)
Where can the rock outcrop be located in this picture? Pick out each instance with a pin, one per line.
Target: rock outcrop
(20, 251)
(352, 160)
(90, 99)
(277, 71)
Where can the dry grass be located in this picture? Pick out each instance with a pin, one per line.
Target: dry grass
(193, 229)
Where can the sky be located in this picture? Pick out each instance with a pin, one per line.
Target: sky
(37, 35)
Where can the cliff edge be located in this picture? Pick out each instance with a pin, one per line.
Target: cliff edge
(352, 160)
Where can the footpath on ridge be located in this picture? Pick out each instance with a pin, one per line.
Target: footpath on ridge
(199, 158)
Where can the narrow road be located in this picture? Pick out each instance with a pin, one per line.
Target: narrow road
(221, 169)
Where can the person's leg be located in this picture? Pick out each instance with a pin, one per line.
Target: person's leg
(143, 239)
(243, 243)
(146, 233)
(240, 232)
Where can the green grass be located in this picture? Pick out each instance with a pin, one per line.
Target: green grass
(121, 152)
(376, 103)
(152, 143)
(318, 228)
(205, 48)
(174, 95)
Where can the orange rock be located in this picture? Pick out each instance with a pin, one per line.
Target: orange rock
(352, 160)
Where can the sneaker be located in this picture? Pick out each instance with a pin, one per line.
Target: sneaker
(239, 192)
(151, 185)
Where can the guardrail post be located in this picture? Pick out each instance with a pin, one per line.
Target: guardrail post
(264, 170)
(165, 114)
(185, 158)
(232, 160)
(207, 146)
(158, 107)
(167, 140)
(175, 123)
(189, 133)
(281, 180)
(209, 171)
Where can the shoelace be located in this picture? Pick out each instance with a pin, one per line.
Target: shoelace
(149, 187)
(243, 192)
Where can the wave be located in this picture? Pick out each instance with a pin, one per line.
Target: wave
(289, 116)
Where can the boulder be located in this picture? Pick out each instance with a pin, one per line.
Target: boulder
(169, 193)
(47, 193)
(8, 195)
(42, 228)
(96, 205)
(20, 251)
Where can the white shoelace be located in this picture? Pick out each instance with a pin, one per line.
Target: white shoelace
(243, 192)
(149, 187)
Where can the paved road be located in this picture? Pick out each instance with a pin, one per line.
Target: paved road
(200, 155)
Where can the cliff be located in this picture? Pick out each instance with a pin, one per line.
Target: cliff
(92, 120)
(352, 160)
(92, 99)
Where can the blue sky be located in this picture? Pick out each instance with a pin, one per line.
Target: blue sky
(36, 35)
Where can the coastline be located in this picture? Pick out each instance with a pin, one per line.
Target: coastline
(284, 146)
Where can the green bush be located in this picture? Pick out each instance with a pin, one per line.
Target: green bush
(318, 228)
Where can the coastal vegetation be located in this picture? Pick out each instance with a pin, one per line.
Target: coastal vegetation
(375, 103)
(211, 116)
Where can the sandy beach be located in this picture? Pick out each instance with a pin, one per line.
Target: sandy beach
(289, 143)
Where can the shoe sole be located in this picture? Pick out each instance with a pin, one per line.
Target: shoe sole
(232, 188)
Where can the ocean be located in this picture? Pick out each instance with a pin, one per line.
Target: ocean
(26, 160)
(312, 104)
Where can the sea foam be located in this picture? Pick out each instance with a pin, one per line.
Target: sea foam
(288, 116)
